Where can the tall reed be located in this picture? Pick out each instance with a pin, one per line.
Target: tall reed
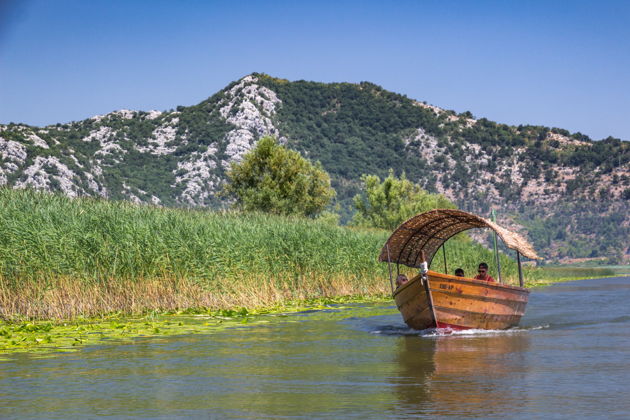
(50, 243)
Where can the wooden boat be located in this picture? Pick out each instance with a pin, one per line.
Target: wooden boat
(459, 303)
(435, 300)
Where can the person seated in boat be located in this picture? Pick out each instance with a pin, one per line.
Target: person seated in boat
(483, 273)
(459, 272)
(400, 280)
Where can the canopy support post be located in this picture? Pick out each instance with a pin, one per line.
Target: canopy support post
(427, 287)
(444, 254)
(520, 270)
(496, 249)
(389, 266)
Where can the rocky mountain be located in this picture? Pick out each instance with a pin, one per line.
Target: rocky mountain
(570, 193)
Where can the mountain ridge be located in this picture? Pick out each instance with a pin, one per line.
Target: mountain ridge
(563, 188)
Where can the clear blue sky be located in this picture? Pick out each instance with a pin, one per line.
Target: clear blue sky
(556, 63)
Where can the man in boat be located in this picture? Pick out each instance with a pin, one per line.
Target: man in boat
(483, 273)
(459, 272)
(400, 280)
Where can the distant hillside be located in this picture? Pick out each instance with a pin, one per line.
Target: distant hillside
(570, 193)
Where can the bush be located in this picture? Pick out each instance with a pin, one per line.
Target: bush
(274, 179)
(389, 203)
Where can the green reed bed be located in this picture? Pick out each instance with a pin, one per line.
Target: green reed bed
(553, 274)
(62, 257)
(49, 235)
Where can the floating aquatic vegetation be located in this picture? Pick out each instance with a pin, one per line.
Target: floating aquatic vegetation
(45, 337)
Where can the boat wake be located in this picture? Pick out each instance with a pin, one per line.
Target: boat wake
(445, 332)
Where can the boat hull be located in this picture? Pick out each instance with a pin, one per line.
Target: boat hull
(460, 303)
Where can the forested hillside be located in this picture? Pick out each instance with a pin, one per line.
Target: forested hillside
(568, 192)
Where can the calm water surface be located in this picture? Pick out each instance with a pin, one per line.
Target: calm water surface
(569, 359)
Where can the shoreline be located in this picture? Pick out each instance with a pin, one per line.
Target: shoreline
(48, 336)
(41, 337)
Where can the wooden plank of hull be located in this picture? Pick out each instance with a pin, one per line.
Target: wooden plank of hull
(461, 303)
(413, 304)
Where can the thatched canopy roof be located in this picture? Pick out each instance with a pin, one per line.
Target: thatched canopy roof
(428, 231)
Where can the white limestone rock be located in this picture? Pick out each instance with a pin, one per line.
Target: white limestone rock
(125, 114)
(566, 141)
(94, 185)
(106, 138)
(467, 122)
(250, 107)
(102, 135)
(37, 141)
(12, 156)
(162, 140)
(12, 151)
(198, 176)
(426, 145)
(153, 114)
(128, 191)
(239, 142)
(39, 176)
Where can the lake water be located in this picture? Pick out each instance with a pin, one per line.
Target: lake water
(570, 358)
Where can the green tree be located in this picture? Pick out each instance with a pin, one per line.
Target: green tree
(389, 203)
(274, 179)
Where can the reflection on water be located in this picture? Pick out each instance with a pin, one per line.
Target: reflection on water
(460, 373)
(417, 368)
(570, 358)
